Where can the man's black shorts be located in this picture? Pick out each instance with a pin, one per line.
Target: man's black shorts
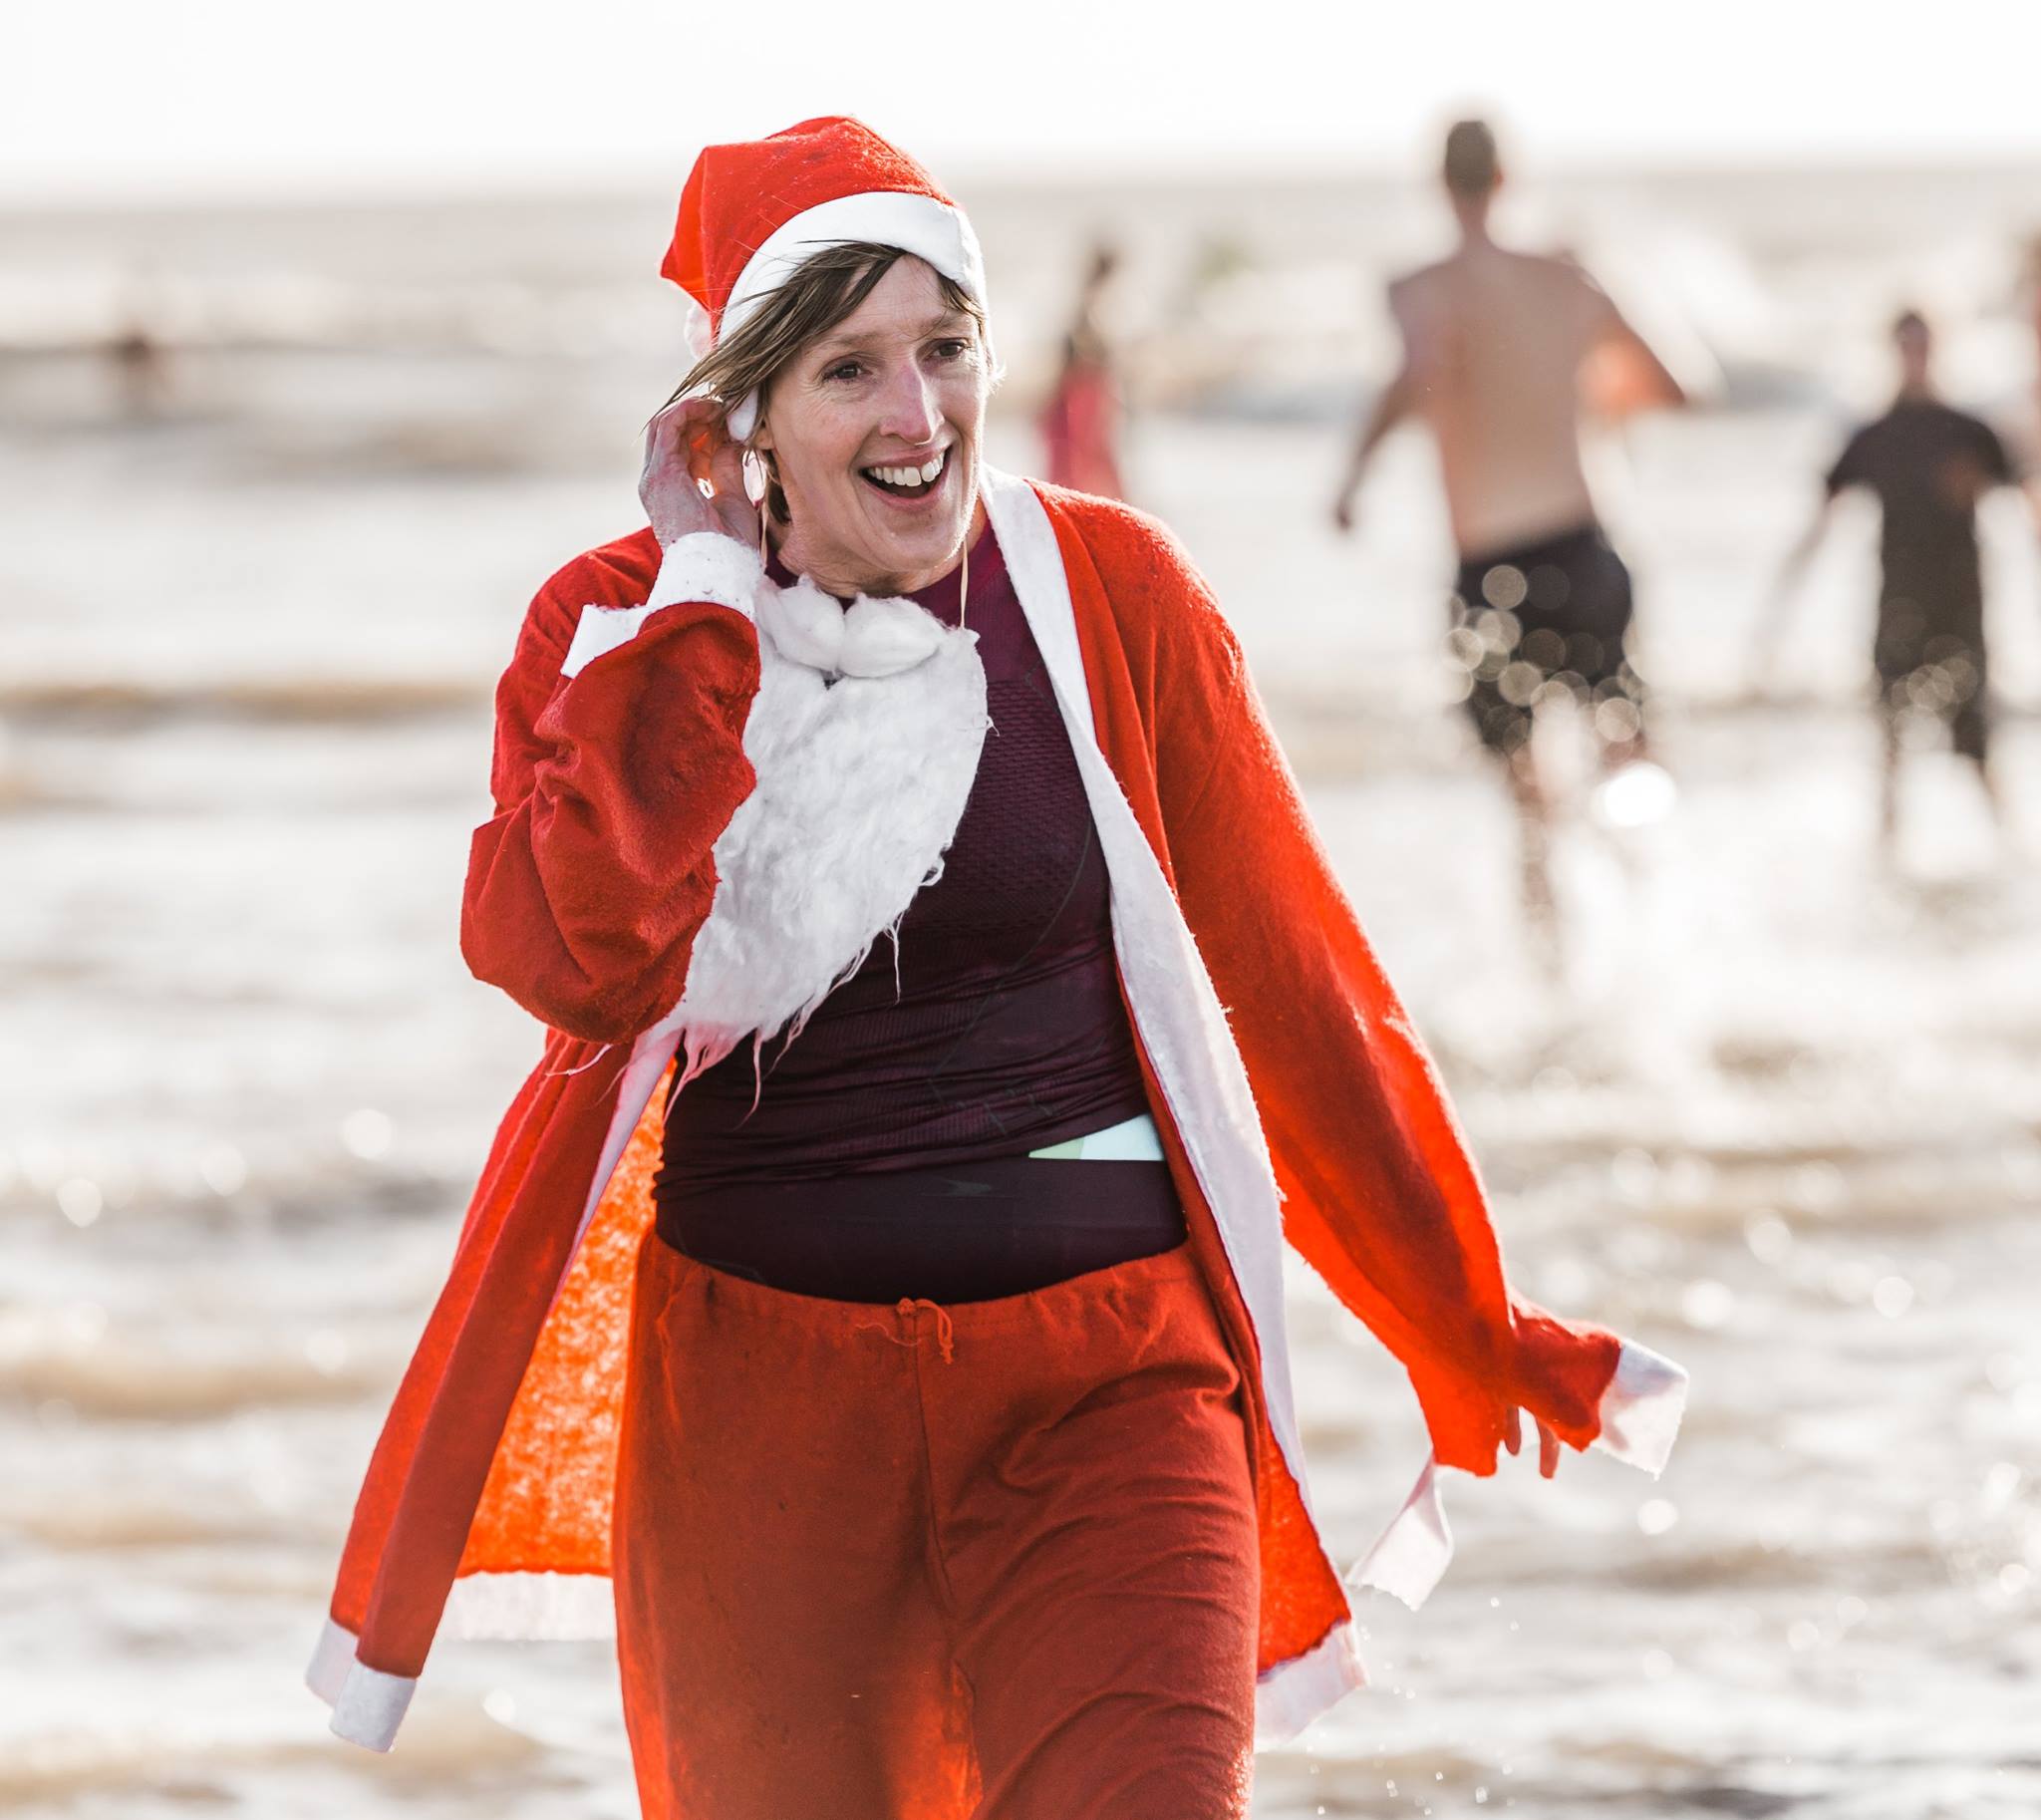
(1557, 609)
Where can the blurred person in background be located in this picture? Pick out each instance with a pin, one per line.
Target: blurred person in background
(1929, 465)
(876, 1289)
(1080, 423)
(137, 353)
(1501, 348)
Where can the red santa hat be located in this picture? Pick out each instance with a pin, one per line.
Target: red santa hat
(753, 213)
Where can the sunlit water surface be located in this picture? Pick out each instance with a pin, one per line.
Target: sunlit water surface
(1777, 1112)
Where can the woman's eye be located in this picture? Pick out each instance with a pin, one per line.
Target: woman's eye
(848, 368)
(952, 350)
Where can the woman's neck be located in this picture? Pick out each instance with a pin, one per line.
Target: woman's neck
(846, 584)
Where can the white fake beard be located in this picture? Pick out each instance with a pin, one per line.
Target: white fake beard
(861, 782)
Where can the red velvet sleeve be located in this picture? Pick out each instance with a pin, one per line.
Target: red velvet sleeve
(1380, 1194)
(586, 889)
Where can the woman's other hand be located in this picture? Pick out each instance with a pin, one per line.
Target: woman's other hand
(1547, 1443)
(693, 475)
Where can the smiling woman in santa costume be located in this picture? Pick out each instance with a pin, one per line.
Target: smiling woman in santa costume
(872, 1302)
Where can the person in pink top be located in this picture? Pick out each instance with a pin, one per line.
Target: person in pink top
(1081, 423)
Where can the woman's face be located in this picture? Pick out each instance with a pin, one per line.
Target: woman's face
(894, 393)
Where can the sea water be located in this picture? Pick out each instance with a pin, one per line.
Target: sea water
(1774, 1108)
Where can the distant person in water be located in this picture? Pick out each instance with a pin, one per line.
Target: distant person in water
(136, 353)
(1081, 423)
(1928, 465)
(1499, 347)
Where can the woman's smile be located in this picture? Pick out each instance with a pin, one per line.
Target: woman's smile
(910, 480)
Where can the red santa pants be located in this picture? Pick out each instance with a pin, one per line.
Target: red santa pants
(992, 1561)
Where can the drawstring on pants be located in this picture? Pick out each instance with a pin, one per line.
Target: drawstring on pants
(946, 1328)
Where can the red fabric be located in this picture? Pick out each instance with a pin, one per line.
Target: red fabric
(599, 855)
(1380, 1194)
(736, 195)
(958, 1532)
(586, 889)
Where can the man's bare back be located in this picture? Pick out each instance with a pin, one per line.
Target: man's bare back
(1494, 345)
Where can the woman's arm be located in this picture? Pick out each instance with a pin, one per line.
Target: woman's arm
(613, 779)
(1380, 1194)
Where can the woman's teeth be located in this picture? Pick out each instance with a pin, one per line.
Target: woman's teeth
(910, 480)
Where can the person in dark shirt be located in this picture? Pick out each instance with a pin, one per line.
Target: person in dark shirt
(1929, 465)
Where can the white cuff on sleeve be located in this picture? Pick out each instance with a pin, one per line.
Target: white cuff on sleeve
(331, 1660)
(368, 1704)
(704, 565)
(1641, 1409)
(1640, 1412)
(371, 1706)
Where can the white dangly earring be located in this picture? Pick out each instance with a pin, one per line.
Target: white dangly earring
(756, 483)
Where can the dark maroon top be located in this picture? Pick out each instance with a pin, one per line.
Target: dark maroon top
(1004, 1031)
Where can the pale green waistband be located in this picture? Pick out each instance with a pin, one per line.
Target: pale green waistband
(1132, 1140)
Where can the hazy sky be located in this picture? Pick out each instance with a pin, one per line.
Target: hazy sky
(144, 97)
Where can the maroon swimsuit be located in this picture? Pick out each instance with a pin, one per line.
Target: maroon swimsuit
(886, 1153)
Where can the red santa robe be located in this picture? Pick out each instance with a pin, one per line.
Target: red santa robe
(1294, 1097)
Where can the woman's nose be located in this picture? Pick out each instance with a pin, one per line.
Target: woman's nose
(910, 409)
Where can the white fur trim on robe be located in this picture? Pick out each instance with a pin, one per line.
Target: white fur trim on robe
(1294, 1692)
(862, 781)
(865, 737)
(533, 1607)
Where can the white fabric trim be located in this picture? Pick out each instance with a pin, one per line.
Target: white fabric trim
(1640, 1412)
(332, 1657)
(1641, 1409)
(704, 565)
(601, 630)
(1294, 1692)
(544, 1606)
(1181, 1023)
(917, 224)
(371, 1707)
(1411, 1554)
(708, 565)
(860, 787)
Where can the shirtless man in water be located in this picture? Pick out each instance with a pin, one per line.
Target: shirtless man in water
(1498, 348)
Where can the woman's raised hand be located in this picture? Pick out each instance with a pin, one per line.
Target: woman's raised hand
(694, 476)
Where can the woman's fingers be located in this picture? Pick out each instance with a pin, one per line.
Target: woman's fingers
(1548, 1443)
(693, 475)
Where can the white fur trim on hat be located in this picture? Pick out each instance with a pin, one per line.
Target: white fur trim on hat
(917, 224)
